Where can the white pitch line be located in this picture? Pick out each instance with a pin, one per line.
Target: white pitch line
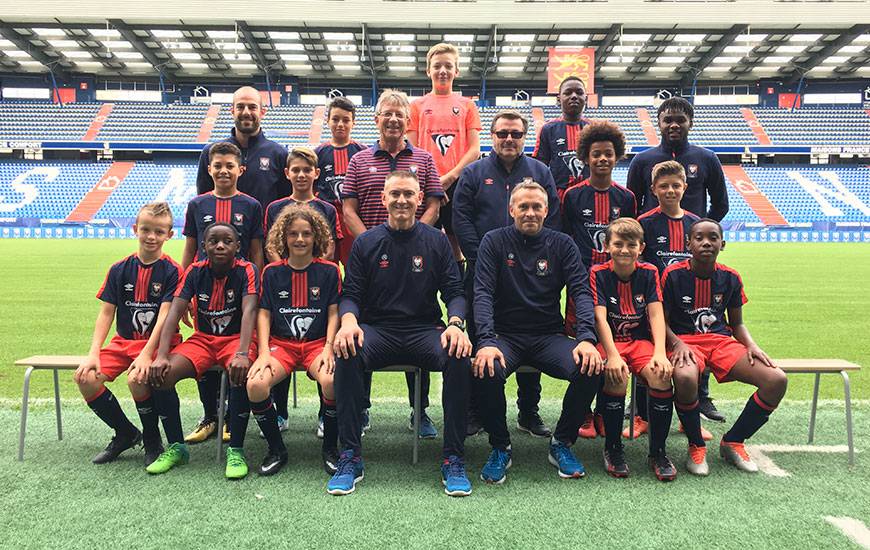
(768, 466)
(853, 528)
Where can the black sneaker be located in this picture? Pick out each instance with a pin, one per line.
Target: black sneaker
(709, 410)
(614, 462)
(116, 446)
(473, 426)
(662, 467)
(330, 461)
(533, 425)
(152, 451)
(272, 463)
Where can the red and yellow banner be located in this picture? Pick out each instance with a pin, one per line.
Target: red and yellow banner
(565, 62)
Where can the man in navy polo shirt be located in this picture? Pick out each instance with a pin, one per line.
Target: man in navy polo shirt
(704, 177)
(363, 207)
(480, 205)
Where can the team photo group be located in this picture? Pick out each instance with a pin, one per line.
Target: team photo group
(415, 250)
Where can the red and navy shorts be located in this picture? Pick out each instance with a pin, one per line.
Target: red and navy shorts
(206, 351)
(295, 355)
(120, 354)
(636, 353)
(718, 352)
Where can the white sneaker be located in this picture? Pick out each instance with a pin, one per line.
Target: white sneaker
(735, 453)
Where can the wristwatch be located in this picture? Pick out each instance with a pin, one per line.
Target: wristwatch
(458, 324)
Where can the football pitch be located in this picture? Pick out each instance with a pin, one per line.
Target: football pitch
(805, 300)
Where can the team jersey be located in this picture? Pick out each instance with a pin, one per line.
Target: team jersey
(665, 237)
(137, 291)
(586, 211)
(240, 210)
(219, 299)
(696, 305)
(556, 147)
(626, 301)
(322, 207)
(299, 300)
(332, 162)
(442, 123)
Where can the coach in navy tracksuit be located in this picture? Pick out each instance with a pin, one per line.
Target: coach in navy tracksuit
(704, 174)
(704, 177)
(518, 281)
(480, 204)
(390, 315)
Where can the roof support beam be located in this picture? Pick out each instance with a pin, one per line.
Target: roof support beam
(714, 52)
(830, 48)
(137, 43)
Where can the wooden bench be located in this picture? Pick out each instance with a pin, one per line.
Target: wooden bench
(57, 363)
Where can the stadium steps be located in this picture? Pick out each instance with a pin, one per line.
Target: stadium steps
(317, 120)
(100, 193)
(757, 201)
(755, 126)
(211, 117)
(99, 120)
(648, 127)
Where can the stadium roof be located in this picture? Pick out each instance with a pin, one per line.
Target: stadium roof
(325, 47)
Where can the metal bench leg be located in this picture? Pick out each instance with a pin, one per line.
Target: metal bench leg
(848, 397)
(221, 413)
(57, 406)
(294, 388)
(418, 411)
(24, 402)
(633, 410)
(813, 409)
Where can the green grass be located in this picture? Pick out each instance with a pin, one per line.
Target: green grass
(806, 300)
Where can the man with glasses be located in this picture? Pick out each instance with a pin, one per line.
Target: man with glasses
(481, 204)
(363, 208)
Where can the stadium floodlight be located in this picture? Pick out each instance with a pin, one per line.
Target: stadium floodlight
(294, 57)
(511, 59)
(573, 37)
(669, 59)
(401, 59)
(635, 37)
(281, 35)
(691, 38)
(191, 56)
(293, 46)
(722, 59)
(167, 33)
(222, 35)
(519, 38)
(391, 37)
(459, 38)
(49, 32)
(347, 36)
(805, 38)
(345, 58)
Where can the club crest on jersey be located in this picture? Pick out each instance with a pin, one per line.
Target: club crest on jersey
(717, 299)
(238, 218)
(156, 289)
(543, 267)
(693, 170)
(510, 260)
(231, 295)
(639, 299)
(264, 163)
(487, 181)
(614, 212)
(385, 261)
(443, 142)
(417, 264)
(315, 292)
(129, 287)
(283, 294)
(456, 111)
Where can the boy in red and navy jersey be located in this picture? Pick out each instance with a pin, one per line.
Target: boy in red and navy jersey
(302, 171)
(333, 158)
(226, 204)
(703, 304)
(136, 293)
(296, 328)
(223, 289)
(558, 139)
(665, 227)
(631, 330)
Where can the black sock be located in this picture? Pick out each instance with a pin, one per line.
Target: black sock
(280, 395)
(661, 411)
(613, 411)
(599, 401)
(209, 387)
(320, 400)
(690, 416)
(148, 417)
(640, 400)
(167, 406)
(267, 418)
(109, 411)
(330, 425)
(240, 411)
(755, 414)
